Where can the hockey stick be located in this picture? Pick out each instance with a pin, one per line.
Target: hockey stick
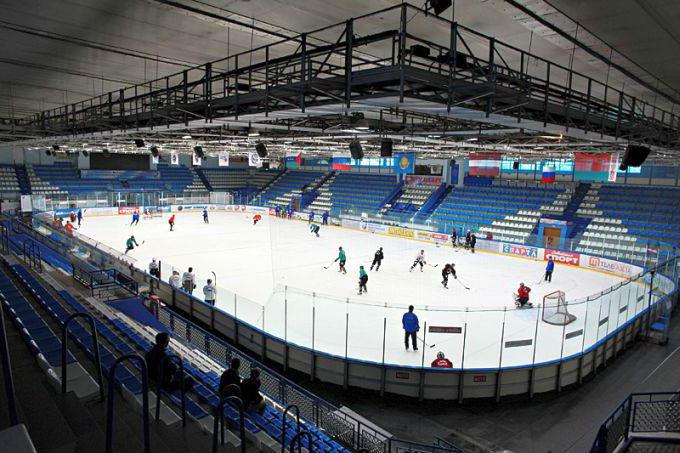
(326, 267)
(432, 265)
(428, 345)
(462, 284)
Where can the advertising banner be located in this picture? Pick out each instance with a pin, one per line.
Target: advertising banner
(223, 159)
(607, 265)
(401, 232)
(127, 209)
(519, 250)
(560, 256)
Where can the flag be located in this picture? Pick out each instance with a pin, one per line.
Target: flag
(197, 160)
(174, 158)
(404, 163)
(548, 175)
(485, 164)
(294, 160)
(341, 163)
(595, 167)
(223, 159)
(254, 160)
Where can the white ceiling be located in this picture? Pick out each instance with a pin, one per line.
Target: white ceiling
(57, 52)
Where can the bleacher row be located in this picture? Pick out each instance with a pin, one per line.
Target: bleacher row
(117, 338)
(506, 210)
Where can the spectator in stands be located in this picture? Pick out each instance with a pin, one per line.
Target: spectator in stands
(209, 292)
(441, 361)
(172, 375)
(411, 327)
(549, 270)
(174, 280)
(188, 281)
(324, 217)
(154, 268)
(80, 216)
(250, 391)
(231, 376)
(473, 242)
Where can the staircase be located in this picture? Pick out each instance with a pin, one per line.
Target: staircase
(203, 179)
(579, 224)
(322, 202)
(22, 178)
(433, 202)
(576, 199)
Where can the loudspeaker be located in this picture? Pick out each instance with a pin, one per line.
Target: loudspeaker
(515, 165)
(48, 152)
(386, 148)
(265, 165)
(261, 150)
(139, 143)
(85, 153)
(418, 50)
(439, 6)
(55, 147)
(635, 156)
(355, 150)
(154, 151)
(199, 152)
(106, 152)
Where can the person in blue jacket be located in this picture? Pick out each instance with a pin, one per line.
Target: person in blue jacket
(135, 218)
(311, 216)
(411, 327)
(549, 270)
(324, 218)
(80, 216)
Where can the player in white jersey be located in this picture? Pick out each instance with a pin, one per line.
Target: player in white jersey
(420, 259)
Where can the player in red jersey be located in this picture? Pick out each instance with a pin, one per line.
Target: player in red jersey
(441, 361)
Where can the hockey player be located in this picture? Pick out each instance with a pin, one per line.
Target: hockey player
(468, 238)
(209, 292)
(377, 259)
(549, 270)
(188, 279)
(473, 242)
(441, 361)
(135, 218)
(324, 218)
(420, 259)
(130, 244)
(342, 259)
(290, 212)
(171, 222)
(72, 216)
(80, 216)
(311, 216)
(363, 279)
(448, 269)
(411, 327)
(256, 218)
(205, 215)
(454, 238)
(314, 228)
(174, 280)
(277, 211)
(154, 269)
(522, 297)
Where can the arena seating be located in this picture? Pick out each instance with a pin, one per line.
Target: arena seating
(627, 219)
(347, 191)
(504, 211)
(64, 177)
(412, 198)
(8, 179)
(289, 184)
(230, 179)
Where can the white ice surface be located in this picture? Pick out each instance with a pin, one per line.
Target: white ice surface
(278, 264)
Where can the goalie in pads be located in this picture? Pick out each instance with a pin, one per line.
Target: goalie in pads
(522, 296)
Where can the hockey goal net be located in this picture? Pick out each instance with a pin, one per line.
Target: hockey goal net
(555, 309)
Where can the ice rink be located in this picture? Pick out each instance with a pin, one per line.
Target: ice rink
(276, 270)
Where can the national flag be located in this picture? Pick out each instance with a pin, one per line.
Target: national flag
(548, 175)
(595, 167)
(484, 164)
(404, 163)
(341, 163)
(294, 160)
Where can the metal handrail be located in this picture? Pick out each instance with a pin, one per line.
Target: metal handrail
(218, 422)
(145, 400)
(298, 439)
(95, 345)
(7, 372)
(285, 422)
(159, 386)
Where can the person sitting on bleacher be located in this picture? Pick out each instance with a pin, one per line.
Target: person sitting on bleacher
(172, 376)
(250, 391)
(231, 376)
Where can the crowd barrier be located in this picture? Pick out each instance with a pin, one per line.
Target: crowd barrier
(606, 324)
